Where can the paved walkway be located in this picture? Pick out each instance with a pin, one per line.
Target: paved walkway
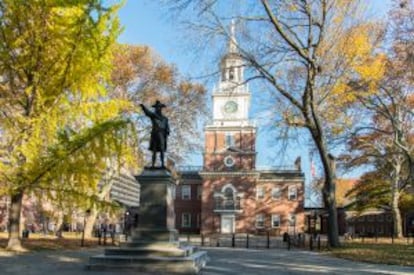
(222, 261)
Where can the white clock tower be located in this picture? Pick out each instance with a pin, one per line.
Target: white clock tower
(231, 98)
(230, 139)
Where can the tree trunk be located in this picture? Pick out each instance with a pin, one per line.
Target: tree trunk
(14, 243)
(90, 221)
(395, 199)
(107, 181)
(59, 225)
(328, 191)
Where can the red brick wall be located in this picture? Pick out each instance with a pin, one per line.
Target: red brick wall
(192, 206)
(215, 162)
(211, 220)
(282, 206)
(216, 140)
(245, 221)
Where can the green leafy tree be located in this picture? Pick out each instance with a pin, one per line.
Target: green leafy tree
(57, 125)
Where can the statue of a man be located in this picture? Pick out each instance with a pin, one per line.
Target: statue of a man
(159, 133)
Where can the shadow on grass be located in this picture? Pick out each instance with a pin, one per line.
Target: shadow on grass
(39, 243)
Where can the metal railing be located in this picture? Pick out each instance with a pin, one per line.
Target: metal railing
(263, 241)
(280, 168)
(228, 205)
(189, 168)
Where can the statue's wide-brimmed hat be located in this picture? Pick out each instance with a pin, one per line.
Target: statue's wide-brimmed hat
(158, 104)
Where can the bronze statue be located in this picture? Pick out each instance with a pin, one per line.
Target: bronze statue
(159, 133)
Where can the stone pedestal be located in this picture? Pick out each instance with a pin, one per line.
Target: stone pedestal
(156, 211)
(154, 245)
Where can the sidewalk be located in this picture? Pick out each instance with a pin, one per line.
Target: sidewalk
(223, 261)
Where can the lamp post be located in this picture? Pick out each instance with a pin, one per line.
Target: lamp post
(313, 222)
(125, 225)
(87, 212)
(294, 224)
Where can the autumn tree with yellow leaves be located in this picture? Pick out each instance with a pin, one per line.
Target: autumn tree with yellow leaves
(140, 75)
(58, 127)
(307, 53)
(384, 139)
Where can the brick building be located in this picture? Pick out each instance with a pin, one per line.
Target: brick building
(229, 194)
(369, 222)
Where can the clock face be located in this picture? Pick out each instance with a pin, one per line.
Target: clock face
(230, 107)
(229, 161)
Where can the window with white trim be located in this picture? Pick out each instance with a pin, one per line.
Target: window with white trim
(260, 192)
(185, 220)
(276, 193)
(292, 193)
(260, 221)
(185, 192)
(292, 219)
(275, 220)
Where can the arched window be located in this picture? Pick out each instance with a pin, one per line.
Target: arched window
(229, 198)
(231, 73)
(228, 193)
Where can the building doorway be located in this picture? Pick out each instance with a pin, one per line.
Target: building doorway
(227, 224)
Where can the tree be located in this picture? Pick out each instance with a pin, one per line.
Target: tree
(140, 75)
(376, 144)
(400, 79)
(57, 125)
(385, 136)
(371, 191)
(305, 53)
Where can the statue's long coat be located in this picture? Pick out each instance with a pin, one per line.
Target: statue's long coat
(160, 131)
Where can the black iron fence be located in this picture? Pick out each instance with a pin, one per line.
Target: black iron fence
(244, 240)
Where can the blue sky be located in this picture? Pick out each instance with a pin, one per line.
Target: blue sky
(145, 22)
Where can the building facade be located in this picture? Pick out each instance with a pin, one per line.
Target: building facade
(41, 215)
(229, 194)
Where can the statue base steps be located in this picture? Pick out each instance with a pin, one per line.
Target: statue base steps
(164, 258)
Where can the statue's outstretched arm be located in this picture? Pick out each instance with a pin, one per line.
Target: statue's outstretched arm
(146, 111)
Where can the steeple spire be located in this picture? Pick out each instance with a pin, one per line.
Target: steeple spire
(232, 40)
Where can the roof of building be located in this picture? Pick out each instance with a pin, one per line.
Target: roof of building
(262, 173)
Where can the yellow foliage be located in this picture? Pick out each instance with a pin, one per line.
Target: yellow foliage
(348, 59)
(59, 126)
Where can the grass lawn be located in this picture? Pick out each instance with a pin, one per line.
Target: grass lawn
(384, 253)
(70, 241)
